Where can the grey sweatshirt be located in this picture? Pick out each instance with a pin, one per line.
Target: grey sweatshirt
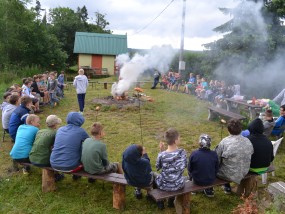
(80, 83)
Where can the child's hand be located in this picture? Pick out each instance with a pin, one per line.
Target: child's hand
(161, 146)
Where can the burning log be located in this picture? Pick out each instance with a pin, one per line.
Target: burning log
(138, 90)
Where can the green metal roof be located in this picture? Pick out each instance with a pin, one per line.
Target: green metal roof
(98, 43)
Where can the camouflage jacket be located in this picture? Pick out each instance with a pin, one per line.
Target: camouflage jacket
(234, 153)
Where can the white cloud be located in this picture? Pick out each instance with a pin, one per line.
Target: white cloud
(129, 16)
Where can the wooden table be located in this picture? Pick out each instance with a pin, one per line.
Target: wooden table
(236, 106)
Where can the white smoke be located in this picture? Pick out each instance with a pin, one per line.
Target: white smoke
(132, 69)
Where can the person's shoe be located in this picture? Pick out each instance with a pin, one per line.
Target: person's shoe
(160, 205)
(138, 194)
(54, 104)
(91, 180)
(170, 202)
(227, 190)
(25, 171)
(58, 177)
(76, 177)
(193, 193)
(209, 193)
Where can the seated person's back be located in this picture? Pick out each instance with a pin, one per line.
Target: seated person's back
(136, 166)
(41, 150)
(262, 146)
(25, 138)
(172, 163)
(66, 153)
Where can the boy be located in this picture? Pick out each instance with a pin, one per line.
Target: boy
(24, 140)
(26, 91)
(66, 152)
(81, 83)
(137, 168)
(19, 115)
(203, 165)
(280, 123)
(8, 110)
(234, 154)
(52, 89)
(268, 122)
(262, 146)
(94, 154)
(6, 97)
(40, 153)
(172, 163)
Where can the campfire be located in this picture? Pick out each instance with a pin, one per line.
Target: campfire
(138, 98)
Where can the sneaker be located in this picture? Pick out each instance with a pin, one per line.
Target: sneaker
(138, 193)
(76, 177)
(227, 190)
(160, 205)
(193, 193)
(91, 180)
(25, 171)
(209, 193)
(170, 202)
(58, 177)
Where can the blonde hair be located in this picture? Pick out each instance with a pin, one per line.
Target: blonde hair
(31, 118)
(81, 71)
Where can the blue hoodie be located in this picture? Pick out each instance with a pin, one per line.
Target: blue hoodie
(137, 169)
(66, 153)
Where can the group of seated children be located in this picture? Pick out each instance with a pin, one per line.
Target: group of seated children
(44, 89)
(70, 148)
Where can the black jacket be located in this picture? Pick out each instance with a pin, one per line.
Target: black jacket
(137, 169)
(262, 146)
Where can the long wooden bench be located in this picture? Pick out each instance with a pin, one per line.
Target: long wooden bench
(214, 112)
(118, 180)
(247, 185)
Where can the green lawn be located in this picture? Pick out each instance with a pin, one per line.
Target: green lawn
(22, 194)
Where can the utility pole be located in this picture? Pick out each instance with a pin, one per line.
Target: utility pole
(181, 60)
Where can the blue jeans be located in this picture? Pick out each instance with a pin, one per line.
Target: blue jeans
(81, 101)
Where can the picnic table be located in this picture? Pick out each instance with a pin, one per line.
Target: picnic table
(234, 105)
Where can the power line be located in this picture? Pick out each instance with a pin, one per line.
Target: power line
(141, 29)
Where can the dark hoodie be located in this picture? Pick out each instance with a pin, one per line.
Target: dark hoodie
(262, 146)
(136, 167)
(66, 153)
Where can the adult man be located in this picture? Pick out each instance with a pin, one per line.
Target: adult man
(279, 123)
(156, 79)
(234, 154)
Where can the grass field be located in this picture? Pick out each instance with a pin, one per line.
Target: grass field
(22, 194)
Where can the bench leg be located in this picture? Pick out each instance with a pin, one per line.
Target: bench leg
(48, 182)
(119, 196)
(247, 186)
(182, 204)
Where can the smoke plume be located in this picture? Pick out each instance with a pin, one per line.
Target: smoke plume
(157, 58)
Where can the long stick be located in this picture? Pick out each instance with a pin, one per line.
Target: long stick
(140, 118)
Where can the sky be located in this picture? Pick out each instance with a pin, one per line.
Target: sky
(131, 16)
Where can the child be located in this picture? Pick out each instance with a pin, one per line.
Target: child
(81, 83)
(26, 91)
(19, 116)
(8, 110)
(66, 152)
(137, 168)
(268, 122)
(24, 140)
(203, 165)
(40, 153)
(6, 97)
(52, 88)
(172, 163)
(94, 154)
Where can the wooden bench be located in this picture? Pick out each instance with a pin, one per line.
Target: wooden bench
(118, 180)
(247, 185)
(214, 111)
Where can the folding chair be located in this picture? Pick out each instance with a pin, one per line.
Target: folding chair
(276, 145)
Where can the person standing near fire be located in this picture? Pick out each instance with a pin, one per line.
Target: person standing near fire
(81, 83)
(156, 79)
